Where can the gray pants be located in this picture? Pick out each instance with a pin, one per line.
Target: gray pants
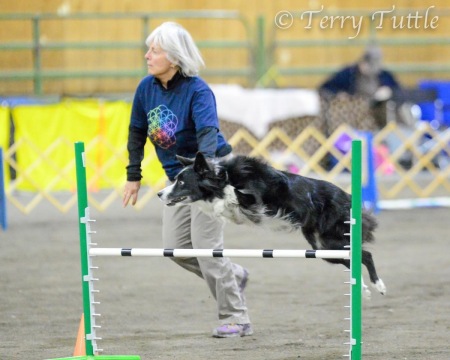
(187, 227)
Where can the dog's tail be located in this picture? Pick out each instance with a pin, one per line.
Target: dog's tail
(369, 224)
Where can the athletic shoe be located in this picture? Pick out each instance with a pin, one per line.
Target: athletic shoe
(233, 330)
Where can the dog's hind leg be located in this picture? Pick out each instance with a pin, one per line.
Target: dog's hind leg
(365, 289)
(333, 244)
(377, 283)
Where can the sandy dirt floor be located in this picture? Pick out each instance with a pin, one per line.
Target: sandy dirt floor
(152, 308)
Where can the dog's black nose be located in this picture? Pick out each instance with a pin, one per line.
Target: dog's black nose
(160, 194)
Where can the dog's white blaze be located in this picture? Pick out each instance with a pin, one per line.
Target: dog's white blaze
(166, 191)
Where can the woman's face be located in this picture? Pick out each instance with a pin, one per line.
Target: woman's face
(157, 63)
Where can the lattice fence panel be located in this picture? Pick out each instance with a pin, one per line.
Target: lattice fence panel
(417, 164)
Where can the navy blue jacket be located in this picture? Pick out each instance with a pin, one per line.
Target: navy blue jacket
(179, 120)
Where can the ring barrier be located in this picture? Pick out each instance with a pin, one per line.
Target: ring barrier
(44, 171)
(88, 251)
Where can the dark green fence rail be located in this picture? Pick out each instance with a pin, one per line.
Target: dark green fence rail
(261, 42)
(38, 73)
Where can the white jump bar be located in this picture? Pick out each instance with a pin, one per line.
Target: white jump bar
(250, 253)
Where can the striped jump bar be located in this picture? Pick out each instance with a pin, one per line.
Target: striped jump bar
(250, 253)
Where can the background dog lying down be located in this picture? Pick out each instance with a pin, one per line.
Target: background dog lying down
(246, 190)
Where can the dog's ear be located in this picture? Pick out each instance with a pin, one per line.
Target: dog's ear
(185, 161)
(201, 166)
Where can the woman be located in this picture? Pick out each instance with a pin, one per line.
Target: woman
(177, 111)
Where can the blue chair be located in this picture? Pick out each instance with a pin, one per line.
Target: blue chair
(438, 111)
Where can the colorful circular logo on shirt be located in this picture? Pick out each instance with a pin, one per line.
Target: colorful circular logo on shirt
(162, 124)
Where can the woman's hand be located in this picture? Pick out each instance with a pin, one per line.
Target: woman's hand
(131, 192)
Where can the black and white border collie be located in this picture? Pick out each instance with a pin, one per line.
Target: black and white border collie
(246, 190)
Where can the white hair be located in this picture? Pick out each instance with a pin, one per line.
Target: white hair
(181, 50)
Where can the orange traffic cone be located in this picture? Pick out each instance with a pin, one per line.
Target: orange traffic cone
(80, 345)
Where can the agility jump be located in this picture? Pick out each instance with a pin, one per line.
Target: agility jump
(89, 251)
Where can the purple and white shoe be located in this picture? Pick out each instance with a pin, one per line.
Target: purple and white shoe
(233, 330)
